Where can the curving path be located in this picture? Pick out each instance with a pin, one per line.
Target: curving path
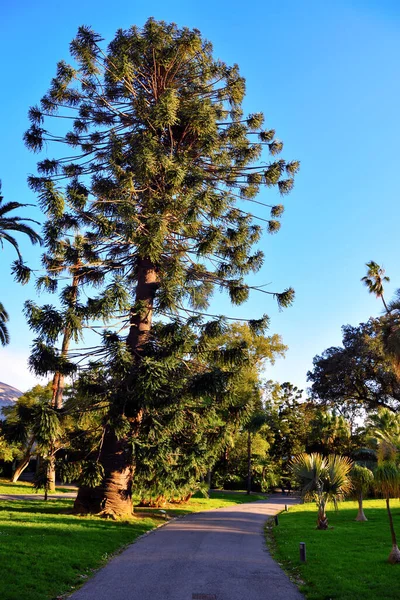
(213, 555)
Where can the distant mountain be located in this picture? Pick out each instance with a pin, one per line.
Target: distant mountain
(8, 395)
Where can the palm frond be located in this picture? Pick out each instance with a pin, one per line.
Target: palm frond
(4, 335)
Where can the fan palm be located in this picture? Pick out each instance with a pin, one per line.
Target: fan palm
(374, 280)
(323, 479)
(14, 223)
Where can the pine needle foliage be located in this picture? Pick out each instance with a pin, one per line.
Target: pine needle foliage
(161, 169)
(164, 159)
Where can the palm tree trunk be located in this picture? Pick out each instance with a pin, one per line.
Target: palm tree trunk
(360, 515)
(322, 520)
(394, 556)
(249, 462)
(384, 303)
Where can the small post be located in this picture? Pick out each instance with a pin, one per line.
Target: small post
(303, 552)
(286, 507)
(276, 520)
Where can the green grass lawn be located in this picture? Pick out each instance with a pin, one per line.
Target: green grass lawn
(46, 551)
(24, 487)
(348, 562)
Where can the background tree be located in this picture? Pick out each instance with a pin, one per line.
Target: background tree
(288, 420)
(37, 427)
(165, 163)
(359, 375)
(329, 434)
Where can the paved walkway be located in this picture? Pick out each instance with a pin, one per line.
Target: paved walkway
(214, 555)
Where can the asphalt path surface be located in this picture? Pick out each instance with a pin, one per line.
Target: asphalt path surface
(214, 555)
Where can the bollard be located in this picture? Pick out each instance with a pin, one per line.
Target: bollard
(276, 520)
(286, 507)
(303, 552)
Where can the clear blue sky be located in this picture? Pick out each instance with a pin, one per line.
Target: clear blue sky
(326, 76)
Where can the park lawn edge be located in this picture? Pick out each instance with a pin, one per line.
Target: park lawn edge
(348, 561)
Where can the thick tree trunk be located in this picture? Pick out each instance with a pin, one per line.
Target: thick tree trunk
(360, 515)
(142, 313)
(114, 497)
(249, 462)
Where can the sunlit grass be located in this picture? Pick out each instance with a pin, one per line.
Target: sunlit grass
(346, 562)
(23, 487)
(46, 551)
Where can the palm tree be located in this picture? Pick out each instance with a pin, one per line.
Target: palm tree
(4, 336)
(387, 481)
(14, 223)
(8, 224)
(361, 478)
(384, 426)
(323, 480)
(374, 280)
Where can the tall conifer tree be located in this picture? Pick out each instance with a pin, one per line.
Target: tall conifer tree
(165, 165)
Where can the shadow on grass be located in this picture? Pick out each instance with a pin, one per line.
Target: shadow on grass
(37, 506)
(59, 514)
